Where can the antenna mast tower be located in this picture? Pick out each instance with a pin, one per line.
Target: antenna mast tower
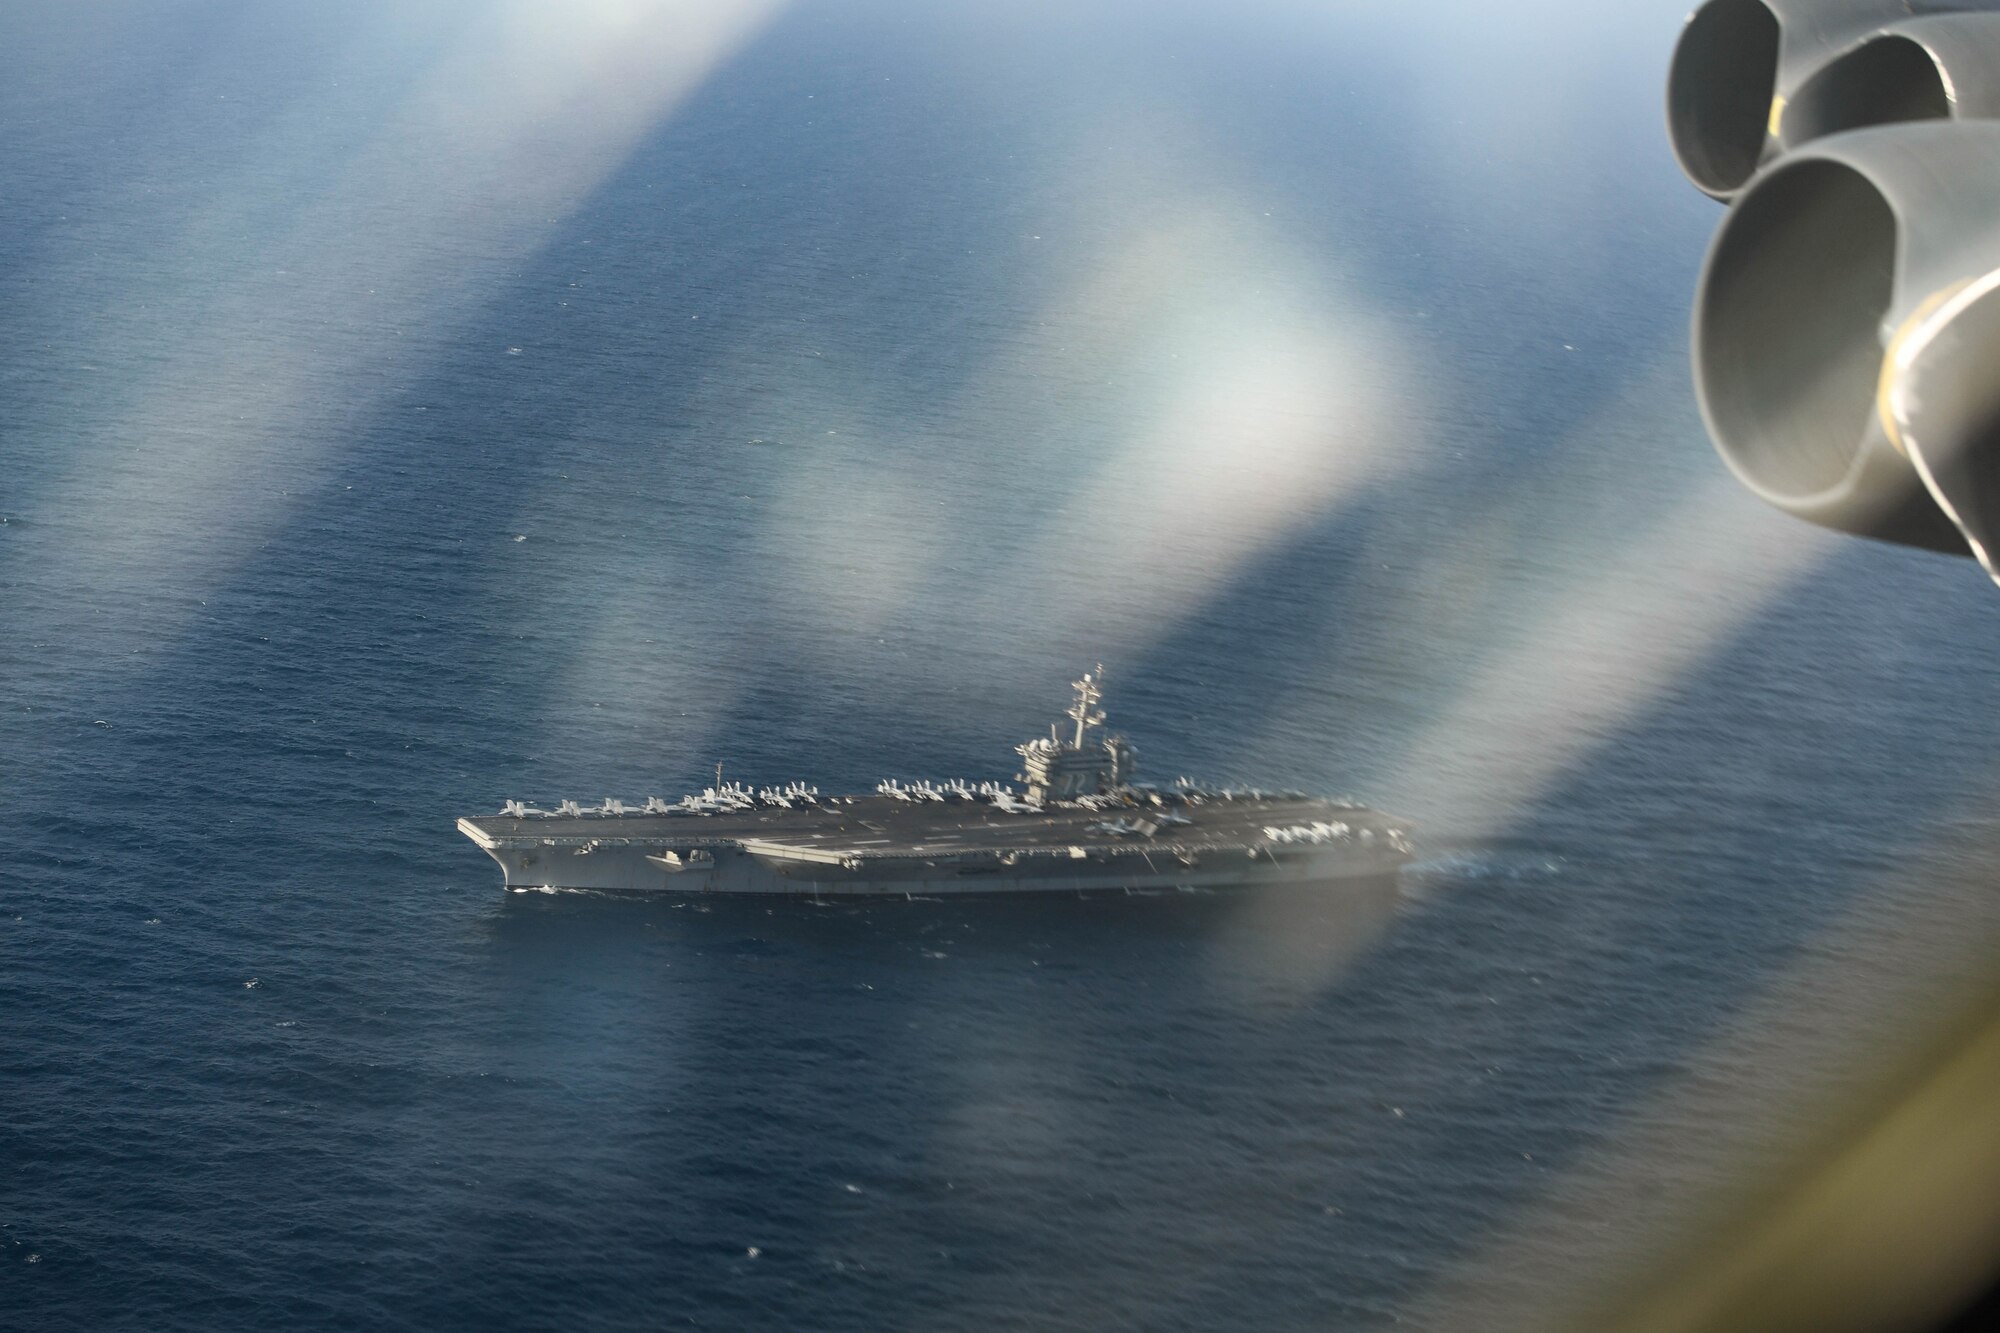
(1089, 691)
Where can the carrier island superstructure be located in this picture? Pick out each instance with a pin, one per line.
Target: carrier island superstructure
(1078, 823)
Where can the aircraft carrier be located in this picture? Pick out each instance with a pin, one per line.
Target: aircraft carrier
(1079, 824)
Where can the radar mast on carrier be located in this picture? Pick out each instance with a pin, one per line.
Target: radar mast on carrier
(1059, 772)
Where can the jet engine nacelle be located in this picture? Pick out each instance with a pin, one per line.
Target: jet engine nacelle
(1847, 335)
(1752, 79)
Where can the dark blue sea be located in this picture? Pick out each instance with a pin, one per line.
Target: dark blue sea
(408, 408)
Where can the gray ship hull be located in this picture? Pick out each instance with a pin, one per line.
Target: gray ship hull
(881, 847)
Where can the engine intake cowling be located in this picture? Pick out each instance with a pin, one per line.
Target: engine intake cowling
(1846, 348)
(1752, 79)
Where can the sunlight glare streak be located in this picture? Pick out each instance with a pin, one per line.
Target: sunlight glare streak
(1565, 672)
(212, 451)
(1284, 406)
(1197, 395)
(1654, 612)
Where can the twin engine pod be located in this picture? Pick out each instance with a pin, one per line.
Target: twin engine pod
(1846, 331)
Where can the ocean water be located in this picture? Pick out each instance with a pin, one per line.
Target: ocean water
(402, 412)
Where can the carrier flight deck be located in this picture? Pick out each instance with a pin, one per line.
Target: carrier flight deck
(1080, 825)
